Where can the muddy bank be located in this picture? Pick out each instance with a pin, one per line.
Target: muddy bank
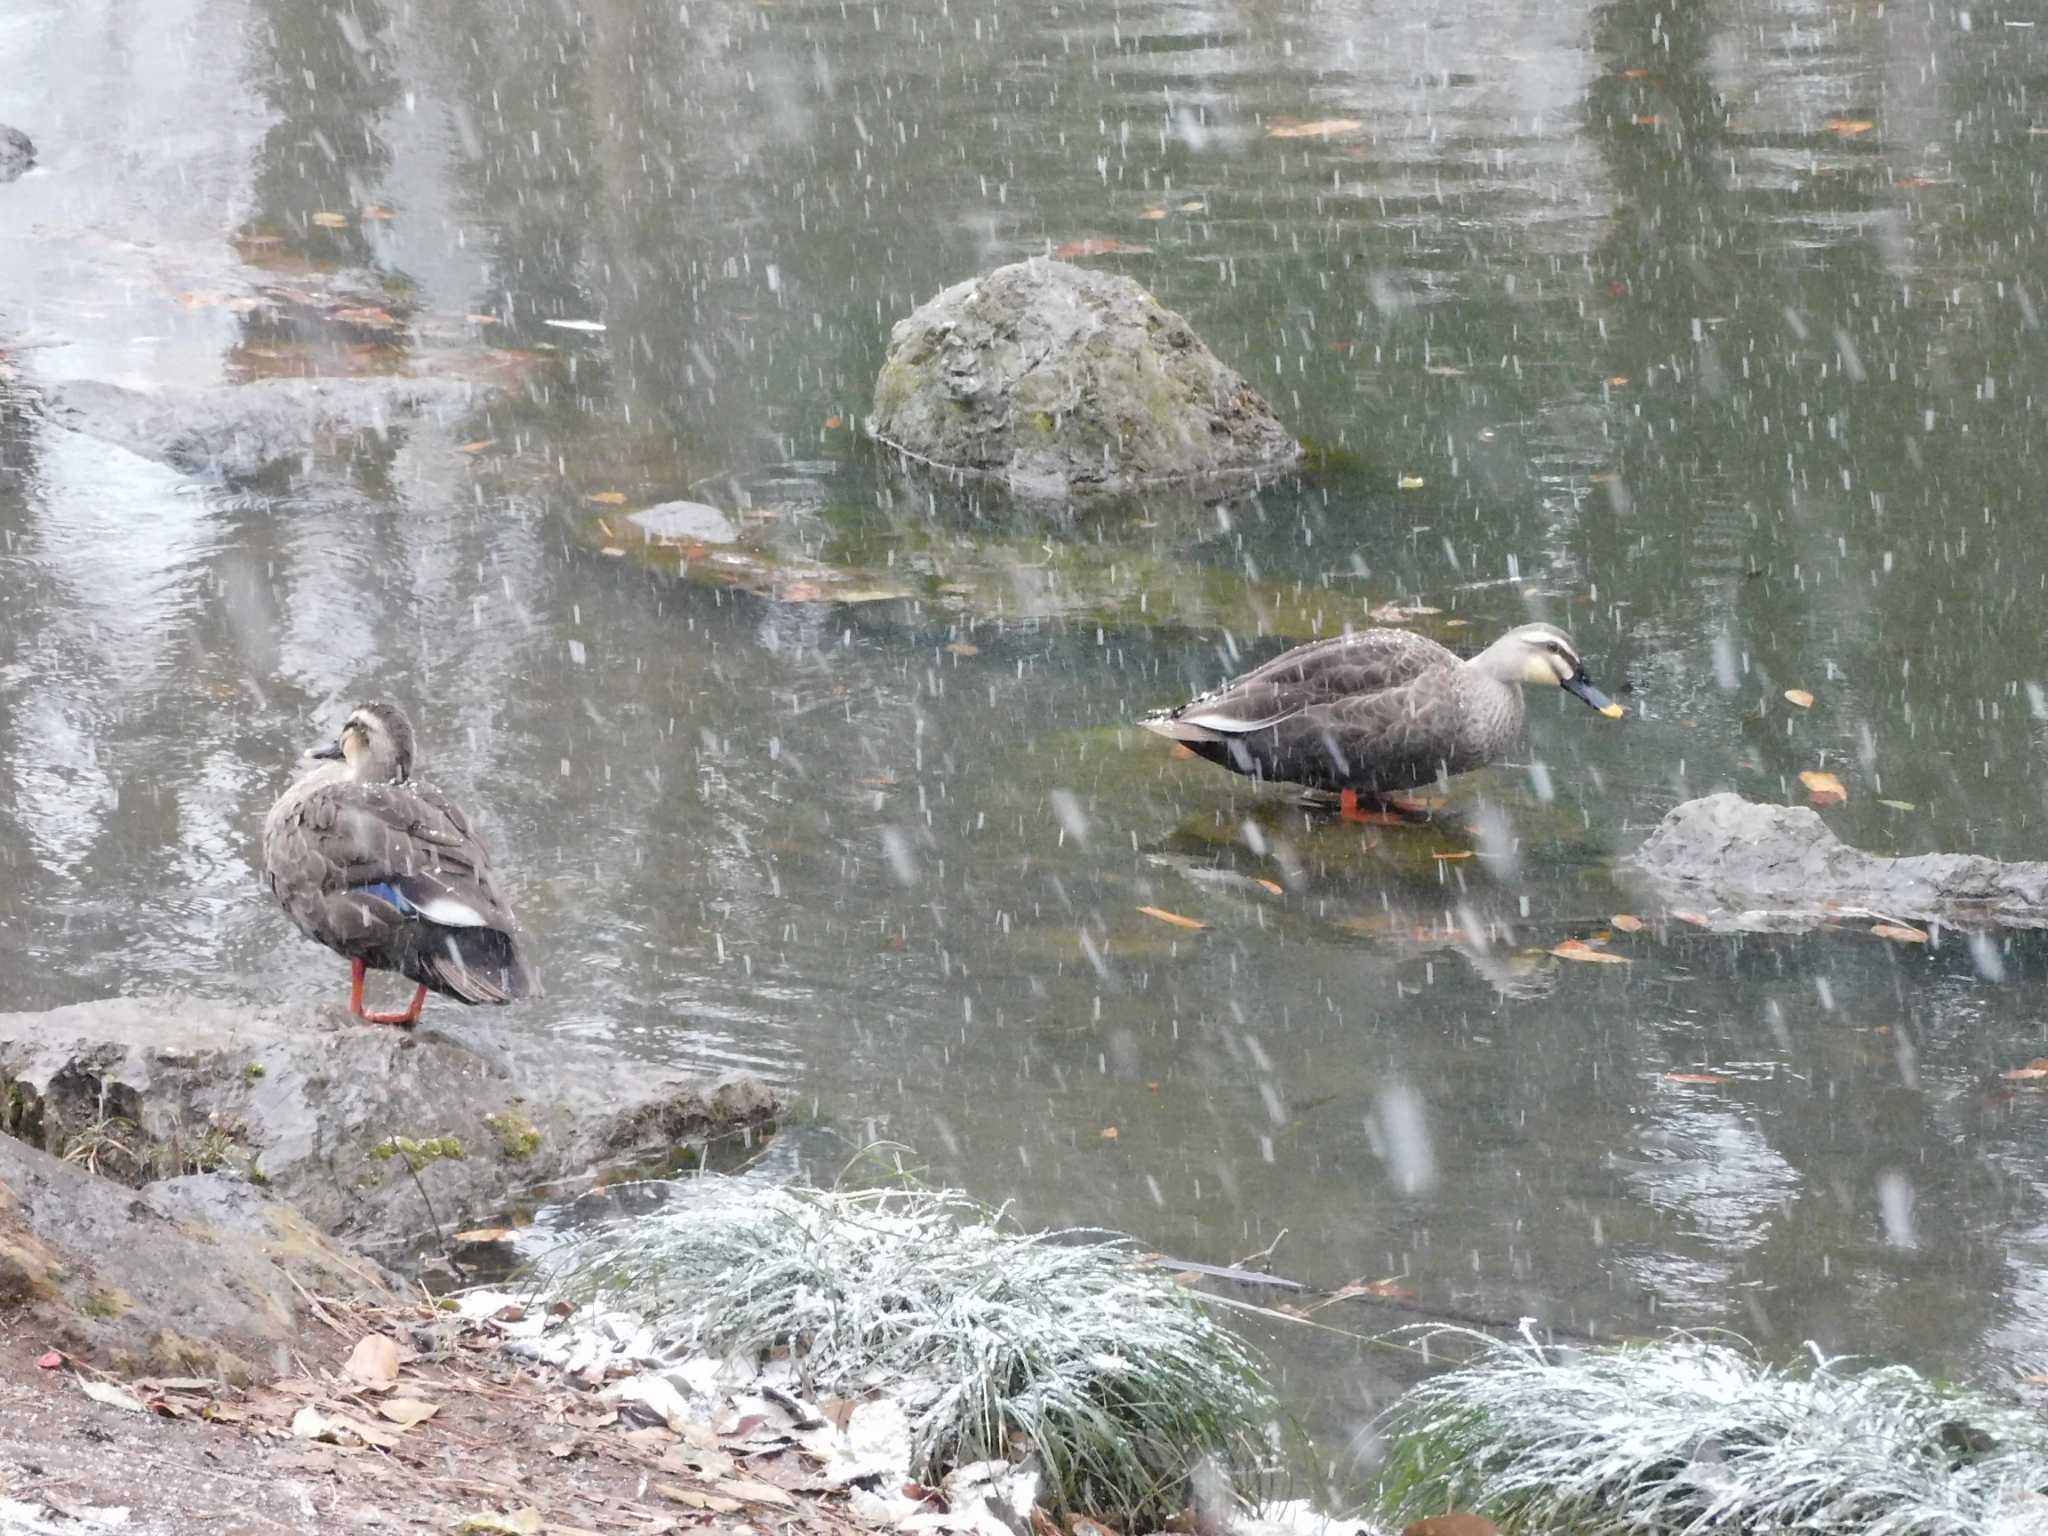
(1745, 865)
(358, 1126)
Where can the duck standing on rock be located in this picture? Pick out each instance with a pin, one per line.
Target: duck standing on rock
(384, 870)
(1378, 711)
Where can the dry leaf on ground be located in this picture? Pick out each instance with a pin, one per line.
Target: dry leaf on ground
(106, 1392)
(373, 1362)
(1579, 949)
(1899, 933)
(408, 1411)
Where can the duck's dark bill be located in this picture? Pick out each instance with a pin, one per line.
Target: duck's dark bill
(332, 751)
(1582, 685)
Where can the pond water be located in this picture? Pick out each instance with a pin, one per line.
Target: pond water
(1713, 335)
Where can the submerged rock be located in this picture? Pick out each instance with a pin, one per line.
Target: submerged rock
(17, 152)
(331, 1114)
(1772, 865)
(1061, 380)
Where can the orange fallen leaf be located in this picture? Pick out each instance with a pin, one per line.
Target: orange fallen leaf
(1174, 918)
(1899, 932)
(607, 498)
(1635, 74)
(1152, 214)
(1704, 1079)
(1579, 949)
(833, 423)
(1628, 922)
(486, 1235)
(367, 315)
(331, 220)
(1647, 120)
(1617, 381)
(480, 445)
(801, 592)
(481, 319)
(1823, 789)
(1098, 245)
(1800, 697)
(964, 648)
(1848, 127)
(1697, 919)
(1321, 128)
(1274, 887)
(378, 211)
(2033, 1072)
(1446, 858)
(1109, 1133)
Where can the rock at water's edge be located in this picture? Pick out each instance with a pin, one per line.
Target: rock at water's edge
(329, 1113)
(17, 152)
(1766, 863)
(1062, 380)
(191, 1277)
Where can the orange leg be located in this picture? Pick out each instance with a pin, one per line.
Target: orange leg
(405, 1020)
(1349, 808)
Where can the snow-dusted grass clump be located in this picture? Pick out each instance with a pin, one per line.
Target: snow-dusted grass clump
(1059, 1348)
(1693, 1435)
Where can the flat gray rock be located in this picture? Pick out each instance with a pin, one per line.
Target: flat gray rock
(1751, 866)
(1062, 381)
(329, 1113)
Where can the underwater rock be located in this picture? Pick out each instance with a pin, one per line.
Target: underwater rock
(330, 1114)
(17, 152)
(1763, 863)
(1062, 381)
(237, 431)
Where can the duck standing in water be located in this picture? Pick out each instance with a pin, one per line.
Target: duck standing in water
(385, 871)
(1377, 712)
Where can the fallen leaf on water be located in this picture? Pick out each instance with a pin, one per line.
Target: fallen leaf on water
(1174, 918)
(1098, 245)
(1848, 127)
(1647, 120)
(1697, 919)
(1390, 1289)
(1444, 371)
(367, 315)
(575, 325)
(833, 423)
(373, 1362)
(1193, 205)
(1410, 482)
(1151, 214)
(614, 551)
(486, 1235)
(1899, 932)
(964, 648)
(607, 498)
(407, 1411)
(1617, 381)
(801, 592)
(1800, 697)
(1272, 886)
(1462, 853)
(1635, 74)
(1321, 128)
(1628, 922)
(1109, 1133)
(331, 220)
(481, 319)
(106, 1392)
(1899, 805)
(1705, 1079)
(2033, 1072)
(480, 445)
(1579, 949)
(1823, 788)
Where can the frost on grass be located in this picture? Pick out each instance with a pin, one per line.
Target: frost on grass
(1693, 1435)
(1060, 1349)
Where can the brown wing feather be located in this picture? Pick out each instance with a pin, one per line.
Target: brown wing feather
(1322, 673)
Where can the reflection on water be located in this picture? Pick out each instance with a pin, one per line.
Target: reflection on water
(1711, 337)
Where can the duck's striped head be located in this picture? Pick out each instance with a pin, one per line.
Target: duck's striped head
(376, 743)
(1542, 655)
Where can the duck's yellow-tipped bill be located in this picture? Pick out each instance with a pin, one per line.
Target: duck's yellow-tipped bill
(1581, 686)
(1614, 711)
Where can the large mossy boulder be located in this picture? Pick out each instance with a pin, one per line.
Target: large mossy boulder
(1062, 381)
